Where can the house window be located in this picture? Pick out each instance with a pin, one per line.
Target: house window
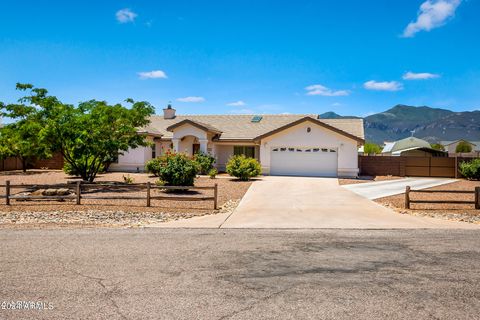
(154, 151)
(248, 151)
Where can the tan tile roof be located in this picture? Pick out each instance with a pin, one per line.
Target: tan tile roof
(241, 127)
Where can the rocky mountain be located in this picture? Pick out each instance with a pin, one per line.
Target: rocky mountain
(431, 124)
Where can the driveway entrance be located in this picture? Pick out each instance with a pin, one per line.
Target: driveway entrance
(299, 202)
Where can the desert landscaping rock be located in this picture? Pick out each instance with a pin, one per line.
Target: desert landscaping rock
(107, 213)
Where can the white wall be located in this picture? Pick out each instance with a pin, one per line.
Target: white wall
(298, 136)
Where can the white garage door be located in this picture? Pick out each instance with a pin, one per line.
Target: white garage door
(301, 161)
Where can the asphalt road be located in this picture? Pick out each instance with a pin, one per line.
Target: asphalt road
(242, 274)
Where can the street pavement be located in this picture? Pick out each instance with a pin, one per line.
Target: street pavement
(241, 273)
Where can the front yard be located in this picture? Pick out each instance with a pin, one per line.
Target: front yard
(110, 213)
(457, 212)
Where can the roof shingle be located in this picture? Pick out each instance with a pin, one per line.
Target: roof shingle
(241, 127)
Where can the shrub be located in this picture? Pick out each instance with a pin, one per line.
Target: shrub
(153, 166)
(127, 179)
(175, 169)
(243, 168)
(159, 183)
(205, 162)
(470, 170)
(463, 147)
(212, 173)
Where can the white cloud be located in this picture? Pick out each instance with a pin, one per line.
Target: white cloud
(191, 99)
(319, 90)
(383, 86)
(242, 111)
(125, 15)
(238, 103)
(155, 74)
(432, 14)
(336, 104)
(419, 76)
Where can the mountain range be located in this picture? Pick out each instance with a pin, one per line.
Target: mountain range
(431, 124)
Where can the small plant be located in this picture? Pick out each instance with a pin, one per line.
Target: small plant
(159, 183)
(243, 168)
(127, 179)
(470, 170)
(212, 173)
(174, 169)
(205, 162)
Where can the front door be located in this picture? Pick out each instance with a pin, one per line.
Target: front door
(196, 148)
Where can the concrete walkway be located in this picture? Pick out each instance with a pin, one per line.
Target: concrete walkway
(380, 189)
(298, 202)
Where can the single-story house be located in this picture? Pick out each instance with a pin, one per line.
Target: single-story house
(411, 147)
(451, 146)
(284, 144)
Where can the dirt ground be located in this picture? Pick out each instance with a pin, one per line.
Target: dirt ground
(112, 212)
(364, 179)
(459, 212)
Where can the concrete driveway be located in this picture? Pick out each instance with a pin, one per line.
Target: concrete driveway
(380, 189)
(300, 202)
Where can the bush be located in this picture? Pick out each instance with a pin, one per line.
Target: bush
(243, 168)
(205, 162)
(127, 179)
(174, 169)
(470, 170)
(153, 166)
(371, 148)
(212, 173)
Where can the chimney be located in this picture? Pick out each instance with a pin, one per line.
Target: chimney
(169, 112)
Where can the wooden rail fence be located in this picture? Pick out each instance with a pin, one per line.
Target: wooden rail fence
(78, 187)
(475, 202)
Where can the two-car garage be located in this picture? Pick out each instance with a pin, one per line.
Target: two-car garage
(303, 161)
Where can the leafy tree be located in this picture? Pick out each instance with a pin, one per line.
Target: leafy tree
(371, 148)
(89, 136)
(23, 139)
(463, 147)
(437, 146)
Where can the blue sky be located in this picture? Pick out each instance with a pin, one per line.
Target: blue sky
(351, 57)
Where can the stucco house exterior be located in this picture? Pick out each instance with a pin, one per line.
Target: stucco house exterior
(285, 144)
(451, 147)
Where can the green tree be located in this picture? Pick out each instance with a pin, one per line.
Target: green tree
(371, 148)
(23, 138)
(463, 147)
(437, 146)
(89, 136)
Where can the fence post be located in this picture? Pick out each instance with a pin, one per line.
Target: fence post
(215, 195)
(7, 192)
(78, 191)
(477, 197)
(407, 197)
(456, 167)
(148, 194)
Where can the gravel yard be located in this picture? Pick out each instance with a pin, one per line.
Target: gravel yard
(458, 212)
(111, 213)
(364, 179)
